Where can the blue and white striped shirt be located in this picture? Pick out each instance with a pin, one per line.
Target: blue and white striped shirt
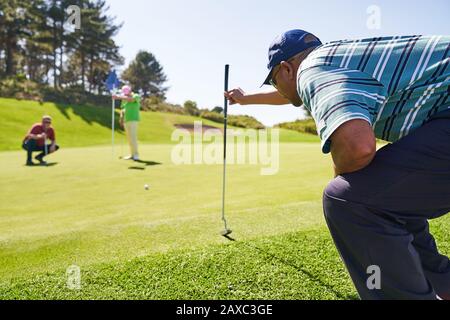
(395, 83)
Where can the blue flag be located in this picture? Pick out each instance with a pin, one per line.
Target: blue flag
(112, 82)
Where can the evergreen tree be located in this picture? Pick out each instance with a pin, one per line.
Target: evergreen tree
(146, 74)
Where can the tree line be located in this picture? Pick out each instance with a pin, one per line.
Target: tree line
(44, 57)
(38, 44)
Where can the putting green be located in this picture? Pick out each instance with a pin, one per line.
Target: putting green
(89, 208)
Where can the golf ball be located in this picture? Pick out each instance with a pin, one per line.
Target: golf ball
(146, 187)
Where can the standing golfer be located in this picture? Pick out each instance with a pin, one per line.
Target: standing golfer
(378, 206)
(129, 118)
(36, 141)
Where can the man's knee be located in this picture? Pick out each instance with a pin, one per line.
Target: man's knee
(338, 188)
(29, 145)
(343, 194)
(334, 196)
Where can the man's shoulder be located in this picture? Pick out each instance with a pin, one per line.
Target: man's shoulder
(36, 126)
(338, 53)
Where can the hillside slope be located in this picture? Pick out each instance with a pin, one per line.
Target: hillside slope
(79, 126)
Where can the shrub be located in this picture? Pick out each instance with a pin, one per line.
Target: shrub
(241, 121)
(305, 126)
(191, 108)
(217, 109)
(74, 95)
(244, 121)
(213, 116)
(20, 88)
(156, 104)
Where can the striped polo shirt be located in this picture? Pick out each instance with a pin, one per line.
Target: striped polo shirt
(395, 83)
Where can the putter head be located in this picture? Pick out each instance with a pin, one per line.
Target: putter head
(225, 232)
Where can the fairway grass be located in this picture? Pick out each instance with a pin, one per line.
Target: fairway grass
(90, 209)
(80, 126)
(302, 265)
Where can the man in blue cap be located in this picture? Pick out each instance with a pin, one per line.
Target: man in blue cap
(377, 207)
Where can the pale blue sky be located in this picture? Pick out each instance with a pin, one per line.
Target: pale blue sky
(194, 39)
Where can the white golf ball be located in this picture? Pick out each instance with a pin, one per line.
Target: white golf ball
(146, 187)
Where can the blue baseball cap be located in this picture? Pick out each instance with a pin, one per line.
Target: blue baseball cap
(287, 45)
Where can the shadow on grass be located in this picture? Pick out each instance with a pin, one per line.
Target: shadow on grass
(38, 165)
(144, 164)
(51, 164)
(91, 114)
(269, 255)
(148, 163)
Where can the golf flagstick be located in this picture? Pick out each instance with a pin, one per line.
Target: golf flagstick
(226, 231)
(112, 124)
(112, 82)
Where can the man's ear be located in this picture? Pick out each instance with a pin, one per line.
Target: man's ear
(289, 68)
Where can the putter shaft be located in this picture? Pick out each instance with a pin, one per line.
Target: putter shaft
(225, 114)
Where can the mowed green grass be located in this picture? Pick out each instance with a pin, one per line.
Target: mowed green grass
(91, 209)
(80, 126)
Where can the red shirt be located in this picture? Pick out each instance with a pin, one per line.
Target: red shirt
(38, 129)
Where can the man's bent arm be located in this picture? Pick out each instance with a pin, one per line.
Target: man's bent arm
(125, 98)
(34, 136)
(238, 96)
(353, 146)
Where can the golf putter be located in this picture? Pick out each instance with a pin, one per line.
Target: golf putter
(45, 147)
(226, 231)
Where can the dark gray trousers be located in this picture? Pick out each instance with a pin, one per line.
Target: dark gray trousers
(30, 146)
(378, 216)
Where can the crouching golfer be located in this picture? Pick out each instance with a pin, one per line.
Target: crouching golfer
(392, 88)
(129, 118)
(36, 141)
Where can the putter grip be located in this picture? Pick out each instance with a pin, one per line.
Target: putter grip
(227, 71)
(225, 112)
